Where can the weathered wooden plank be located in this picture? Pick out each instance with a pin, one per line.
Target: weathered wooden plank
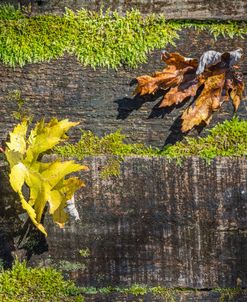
(160, 223)
(172, 9)
(206, 296)
(102, 99)
(156, 224)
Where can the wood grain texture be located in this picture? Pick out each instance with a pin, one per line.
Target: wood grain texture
(159, 223)
(102, 99)
(172, 9)
(156, 224)
(206, 296)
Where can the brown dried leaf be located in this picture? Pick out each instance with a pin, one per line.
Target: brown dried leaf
(150, 84)
(236, 94)
(234, 87)
(171, 76)
(185, 75)
(177, 60)
(187, 88)
(176, 95)
(208, 102)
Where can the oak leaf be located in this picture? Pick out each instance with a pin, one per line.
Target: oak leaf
(208, 83)
(171, 76)
(208, 102)
(236, 94)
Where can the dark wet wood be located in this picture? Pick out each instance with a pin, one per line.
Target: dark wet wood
(204, 296)
(159, 224)
(156, 224)
(102, 99)
(172, 9)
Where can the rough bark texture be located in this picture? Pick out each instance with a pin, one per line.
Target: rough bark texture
(207, 296)
(102, 99)
(172, 9)
(156, 224)
(160, 223)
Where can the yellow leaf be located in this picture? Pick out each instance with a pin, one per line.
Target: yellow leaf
(67, 189)
(46, 136)
(17, 176)
(32, 214)
(55, 200)
(70, 185)
(13, 157)
(59, 215)
(18, 138)
(45, 181)
(58, 170)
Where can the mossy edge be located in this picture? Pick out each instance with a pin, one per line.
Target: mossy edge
(97, 39)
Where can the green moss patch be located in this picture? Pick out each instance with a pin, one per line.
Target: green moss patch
(225, 139)
(96, 39)
(25, 284)
(111, 145)
(139, 291)
(45, 284)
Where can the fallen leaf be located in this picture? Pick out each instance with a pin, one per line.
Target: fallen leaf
(208, 102)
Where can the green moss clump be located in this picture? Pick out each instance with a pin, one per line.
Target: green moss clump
(168, 294)
(227, 29)
(45, 284)
(111, 144)
(226, 139)
(230, 294)
(25, 284)
(96, 39)
(8, 12)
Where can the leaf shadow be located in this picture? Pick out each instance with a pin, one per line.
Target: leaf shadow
(162, 112)
(127, 105)
(176, 134)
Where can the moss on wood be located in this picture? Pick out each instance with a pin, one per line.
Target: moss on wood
(225, 139)
(96, 39)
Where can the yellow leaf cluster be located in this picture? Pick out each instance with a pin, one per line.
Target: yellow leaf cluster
(46, 181)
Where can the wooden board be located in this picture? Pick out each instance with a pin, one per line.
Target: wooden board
(159, 224)
(172, 9)
(102, 99)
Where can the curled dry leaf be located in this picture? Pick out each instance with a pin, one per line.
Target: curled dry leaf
(236, 89)
(159, 80)
(208, 102)
(177, 60)
(214, 76)
(236, 94)
(177, 95)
